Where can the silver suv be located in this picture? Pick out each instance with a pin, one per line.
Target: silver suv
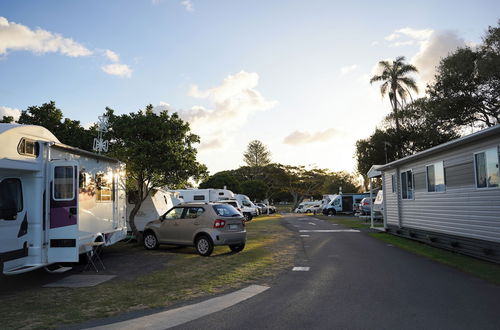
(203, 225)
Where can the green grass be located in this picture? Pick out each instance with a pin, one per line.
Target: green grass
(350, 222)
(269, 250)
(483, 269)
(283, 207)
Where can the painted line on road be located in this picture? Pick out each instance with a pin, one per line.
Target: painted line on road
(305, 235)
(175, 317)
(300, 269)
(329, 231)
(312, 223)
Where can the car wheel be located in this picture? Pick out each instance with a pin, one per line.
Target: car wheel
(204, 245)
(150, 241)
(237, 247)
(332, 212)
(248, 216)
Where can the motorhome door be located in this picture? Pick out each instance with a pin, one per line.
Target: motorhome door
(63, 212)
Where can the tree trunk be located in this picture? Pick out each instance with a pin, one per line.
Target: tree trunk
(396, 116)
(131, 221)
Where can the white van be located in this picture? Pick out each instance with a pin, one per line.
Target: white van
(55, 200)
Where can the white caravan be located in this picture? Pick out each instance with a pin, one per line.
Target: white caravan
(247, 205)
(155, 205)
(204, 195)
(55, 200)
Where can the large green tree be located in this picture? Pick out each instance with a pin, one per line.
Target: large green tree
(466, 90)
(158, 150)
(68, 131)
(227, 179)
(257, 154)
(397, 84)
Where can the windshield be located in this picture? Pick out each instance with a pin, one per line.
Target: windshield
(225, 210)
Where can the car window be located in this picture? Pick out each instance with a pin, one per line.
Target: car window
(175, 213)
(194, 212)
(225, 210)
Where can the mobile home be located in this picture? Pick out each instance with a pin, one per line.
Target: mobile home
(55, 200)
(448, 195)
(157, 203)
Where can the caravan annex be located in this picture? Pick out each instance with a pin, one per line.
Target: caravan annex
(448, 195)
(54, 199)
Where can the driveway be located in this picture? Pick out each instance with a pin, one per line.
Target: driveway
(357, 282)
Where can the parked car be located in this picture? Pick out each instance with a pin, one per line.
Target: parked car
(262, 207)
(272, 209)
(202, 225)
(364, 206)
(244, 210)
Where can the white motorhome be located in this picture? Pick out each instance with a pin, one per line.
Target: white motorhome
(249, 208)
(55, 200)
(204, 195)
(157, 203)
(344, 203)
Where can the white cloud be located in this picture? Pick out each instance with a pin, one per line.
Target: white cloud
(438, 45)
(298, 137)
(392, 37)
(402, 43)
(117, 69)
(188, 5)
(6, 111)
(112, 56)
(233, 102)
(422, 34)
(15, 37)
(348, 69)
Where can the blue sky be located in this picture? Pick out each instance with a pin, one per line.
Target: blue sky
(293, 74)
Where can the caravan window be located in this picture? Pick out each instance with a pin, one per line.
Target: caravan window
(28, 147)
(407, 185)
(11, 196)
(393, 181)
(199, 197)
(435, 177)
(486, 164)
(104, 185)
(64, 183)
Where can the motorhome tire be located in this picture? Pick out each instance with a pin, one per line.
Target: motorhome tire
(150, 241)
(204, 245)
(332, 212)
(237, 247)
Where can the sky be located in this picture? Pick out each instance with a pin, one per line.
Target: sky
(292, 74)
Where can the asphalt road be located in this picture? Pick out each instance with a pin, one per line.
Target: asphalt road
(358, 282)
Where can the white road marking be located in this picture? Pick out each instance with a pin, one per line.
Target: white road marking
(329, 231)
(305, 235)
(300, 269)
(174, 317)
(312, 223)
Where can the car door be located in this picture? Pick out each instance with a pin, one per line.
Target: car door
(189, 223)
(169, 228)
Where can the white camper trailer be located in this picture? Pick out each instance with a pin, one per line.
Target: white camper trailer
(155, 205)
(54, 199)
(204, 195)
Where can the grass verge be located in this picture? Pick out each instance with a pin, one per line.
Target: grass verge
(269, 250)
(483, 269)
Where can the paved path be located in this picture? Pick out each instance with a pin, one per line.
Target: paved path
(357, 282)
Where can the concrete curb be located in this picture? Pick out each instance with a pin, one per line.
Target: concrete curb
(174, 317)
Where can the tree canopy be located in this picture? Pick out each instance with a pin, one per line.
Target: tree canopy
(158, 150)
(257, 154)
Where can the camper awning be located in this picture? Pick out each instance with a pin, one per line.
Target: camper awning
(19, 165)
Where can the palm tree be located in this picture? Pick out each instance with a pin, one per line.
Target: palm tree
(396, 82)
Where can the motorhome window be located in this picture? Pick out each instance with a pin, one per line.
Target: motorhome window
(407, 185)
(28, 147)
(486, 164)
(11, 196)
(221, 194)
(199, 197)
(104, 185)
(64, 182)
(435, 177)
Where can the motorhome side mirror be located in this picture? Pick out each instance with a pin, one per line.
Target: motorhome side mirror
(8, 214)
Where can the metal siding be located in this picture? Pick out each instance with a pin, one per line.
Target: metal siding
(391, 199)
(461, 210)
